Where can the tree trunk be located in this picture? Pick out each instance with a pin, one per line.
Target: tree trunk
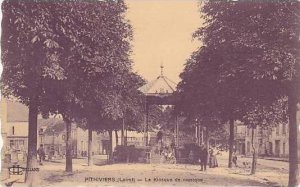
(125, 139)
(206, 137)
(122, 133)
(90, 149)
(231, 141)
(127, 154)
(293, 147)
(117, 138)
(200, 135)
(32, 143)
(196, 134)
(254, 158)
(110, 145)
(147, 126)
(69, 166)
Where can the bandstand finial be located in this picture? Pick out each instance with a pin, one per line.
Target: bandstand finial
(161, 69)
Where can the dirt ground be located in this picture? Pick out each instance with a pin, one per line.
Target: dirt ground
(269, 173)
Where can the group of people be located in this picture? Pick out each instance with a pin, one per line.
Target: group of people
(207, 157)
(210, 158)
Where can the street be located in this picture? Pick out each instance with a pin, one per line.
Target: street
(269, 173)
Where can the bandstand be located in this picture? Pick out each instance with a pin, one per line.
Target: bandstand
(159, 92)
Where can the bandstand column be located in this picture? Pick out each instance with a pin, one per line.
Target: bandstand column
(147, 126)
(176, 133)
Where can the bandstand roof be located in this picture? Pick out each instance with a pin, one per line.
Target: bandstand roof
(162, 85)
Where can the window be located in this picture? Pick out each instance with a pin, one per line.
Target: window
(260, 145)
(11, 143)
(99, 147)
(248, 147)
(21, 142)
(261, 131)
(277, 130)
(17, 144)
(284, 128)
(283, 148)
(13, 130)
(41, 131)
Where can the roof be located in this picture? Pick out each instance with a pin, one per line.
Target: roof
(161, 85)
(52, 124)
(16, 112)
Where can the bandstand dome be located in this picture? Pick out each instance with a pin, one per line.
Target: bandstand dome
(161, 86)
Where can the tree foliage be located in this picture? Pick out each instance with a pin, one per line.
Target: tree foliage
(69, 58)
(251, 49)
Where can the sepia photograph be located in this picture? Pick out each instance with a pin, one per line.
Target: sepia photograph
(150, 93)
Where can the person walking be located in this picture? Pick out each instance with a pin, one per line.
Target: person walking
(203, 157)
(41, 153)
(234, 159)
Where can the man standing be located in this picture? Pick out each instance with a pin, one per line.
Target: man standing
(159, 140)
(159, 137)
(234, 159)
(41, 153)
(203, 157)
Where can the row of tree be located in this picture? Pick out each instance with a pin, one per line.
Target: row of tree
(70, 58)
(247, 69)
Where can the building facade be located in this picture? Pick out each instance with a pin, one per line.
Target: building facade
(52, 135)
(272, 141)
(14, 130)
(54, 141)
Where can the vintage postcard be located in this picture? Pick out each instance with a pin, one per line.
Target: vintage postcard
(150, 93)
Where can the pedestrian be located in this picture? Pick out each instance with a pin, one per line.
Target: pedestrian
(234, 159)
(203, 157)
(212, 159)
(159, 137)
(41, 154)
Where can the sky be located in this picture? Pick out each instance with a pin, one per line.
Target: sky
(163, 35)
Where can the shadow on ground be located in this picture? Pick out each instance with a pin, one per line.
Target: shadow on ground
(56, 177)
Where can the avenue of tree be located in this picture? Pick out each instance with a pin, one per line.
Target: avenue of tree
(69, 58)
(246, 70)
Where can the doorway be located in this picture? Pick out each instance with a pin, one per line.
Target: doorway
(277, 148)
